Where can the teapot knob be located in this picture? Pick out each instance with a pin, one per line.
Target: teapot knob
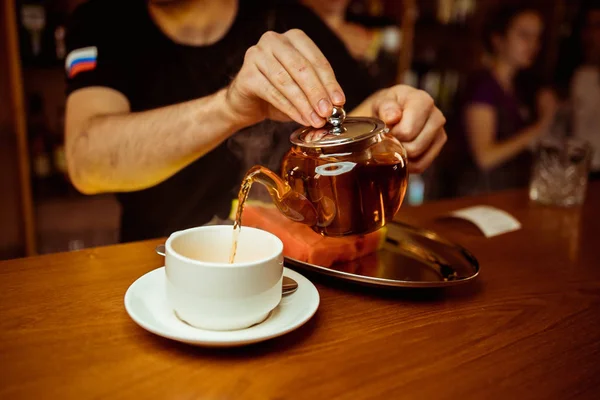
(337, 116)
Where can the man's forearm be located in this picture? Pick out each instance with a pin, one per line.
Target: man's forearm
(133, 151)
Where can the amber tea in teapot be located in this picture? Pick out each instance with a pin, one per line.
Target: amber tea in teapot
(346, 178)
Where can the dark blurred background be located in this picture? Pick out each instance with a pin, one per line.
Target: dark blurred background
(432, 44)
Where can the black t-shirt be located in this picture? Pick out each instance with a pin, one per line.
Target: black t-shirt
(116, 44)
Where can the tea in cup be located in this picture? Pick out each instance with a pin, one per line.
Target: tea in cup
(206, 291)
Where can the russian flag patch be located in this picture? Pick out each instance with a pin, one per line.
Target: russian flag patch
(80, 60)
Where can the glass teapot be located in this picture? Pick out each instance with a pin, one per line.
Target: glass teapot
(346, 178)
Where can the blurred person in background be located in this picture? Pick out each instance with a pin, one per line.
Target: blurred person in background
(585, 86)
(498, 127)
(162, 93)
(374, 42)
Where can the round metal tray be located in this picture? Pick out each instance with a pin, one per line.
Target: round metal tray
(411, 257)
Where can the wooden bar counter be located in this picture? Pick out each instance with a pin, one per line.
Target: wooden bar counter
(527, 328)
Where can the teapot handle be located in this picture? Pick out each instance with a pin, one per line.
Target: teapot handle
(289, 202)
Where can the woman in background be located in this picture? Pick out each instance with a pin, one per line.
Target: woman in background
(498, 127)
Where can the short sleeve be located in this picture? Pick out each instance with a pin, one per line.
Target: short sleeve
(481, 90)
(481, 94)
(94, 52)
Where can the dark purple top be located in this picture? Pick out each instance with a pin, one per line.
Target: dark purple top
(512, 116)
(483, 88)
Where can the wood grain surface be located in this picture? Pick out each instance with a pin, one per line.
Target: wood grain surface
(527, 328)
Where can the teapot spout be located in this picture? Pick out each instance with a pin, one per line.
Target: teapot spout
(290, 203)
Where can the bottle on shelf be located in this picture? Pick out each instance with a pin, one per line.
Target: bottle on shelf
(444, 11)
(462, 10)
(59, 39)
(448, 89)
(42, 33)
(33, 19)
(431, 84)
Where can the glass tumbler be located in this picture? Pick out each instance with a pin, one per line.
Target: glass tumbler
(560, 172)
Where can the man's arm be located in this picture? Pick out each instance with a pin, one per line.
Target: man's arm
(111, 149)
(284, 77)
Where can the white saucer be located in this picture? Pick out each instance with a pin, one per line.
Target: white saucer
(145, 302)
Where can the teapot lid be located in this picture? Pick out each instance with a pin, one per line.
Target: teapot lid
(339, 130)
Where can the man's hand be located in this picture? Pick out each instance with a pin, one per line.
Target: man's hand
(284, 76)
(413, 118)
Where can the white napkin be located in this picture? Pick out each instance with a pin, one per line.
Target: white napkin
(490, 220)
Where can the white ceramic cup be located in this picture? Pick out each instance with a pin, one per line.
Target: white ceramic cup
(207, 292)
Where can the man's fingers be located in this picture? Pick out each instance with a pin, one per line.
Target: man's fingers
(422, 163)
(418, 146)
(279, 77)
(321, 66)
(269, 93)
(299, 73)
(299, 77)
(305, 78)
(416, 107)
(388, 110)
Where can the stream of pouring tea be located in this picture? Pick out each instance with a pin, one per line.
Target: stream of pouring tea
(237, 224)
(290, 203)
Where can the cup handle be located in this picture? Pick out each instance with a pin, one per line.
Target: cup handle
(160, 250)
